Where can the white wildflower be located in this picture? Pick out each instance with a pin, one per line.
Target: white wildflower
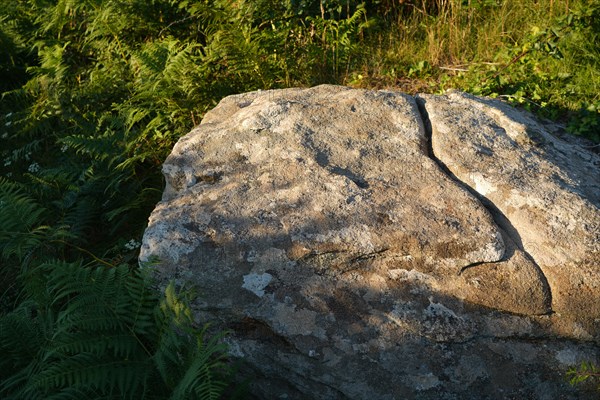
(132, 244)
(64, 148)
(34, 167)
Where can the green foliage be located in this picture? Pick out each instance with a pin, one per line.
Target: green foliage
(543, 71)
(21, 222)
(102, 332)
(338, 39)
(586, 371)
(542, 56)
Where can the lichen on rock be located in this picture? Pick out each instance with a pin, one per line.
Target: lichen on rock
(366, 243)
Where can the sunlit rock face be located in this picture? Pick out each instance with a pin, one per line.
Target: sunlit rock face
(369, 244)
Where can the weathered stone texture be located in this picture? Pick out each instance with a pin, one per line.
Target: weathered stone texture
(545, 190)
(354, 257)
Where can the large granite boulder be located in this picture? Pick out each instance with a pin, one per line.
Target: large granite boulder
(368, 244)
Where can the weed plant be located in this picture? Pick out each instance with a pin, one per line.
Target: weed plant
(95, 93)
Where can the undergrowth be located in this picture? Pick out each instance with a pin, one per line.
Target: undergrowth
(95, 93)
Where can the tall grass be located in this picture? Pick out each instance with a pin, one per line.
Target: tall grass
(540, 54)
(455, 34)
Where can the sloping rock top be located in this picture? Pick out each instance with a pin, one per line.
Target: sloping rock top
(368, 243)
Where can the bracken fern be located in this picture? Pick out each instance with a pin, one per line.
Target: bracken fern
(104, 333)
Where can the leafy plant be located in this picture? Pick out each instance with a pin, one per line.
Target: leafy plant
(586, 371)
(101, 332)
(338, 38)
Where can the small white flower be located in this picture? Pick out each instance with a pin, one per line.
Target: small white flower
(132, 244)
(34, 167)
(64, 148)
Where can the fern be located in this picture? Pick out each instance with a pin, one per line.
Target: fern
(102, 333)
(199, 374)
(21, 228)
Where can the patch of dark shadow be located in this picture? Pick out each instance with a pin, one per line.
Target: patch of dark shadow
(347, 306)
(358, 181)
(472, 265)
(484, 151)
(536, 137)
(500, 219)
(210, 178)
(206, 253)
(383, 218)
(322, 159)
(254, 329)
(573, 187)
(193, 228)
(240, 158)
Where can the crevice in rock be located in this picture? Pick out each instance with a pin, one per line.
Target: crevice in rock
(369, 256)
(472, 265)
(507, 229)
(329, 263)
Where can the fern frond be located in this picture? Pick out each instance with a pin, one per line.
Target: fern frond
(100, 332)
(20, 217)
(60, 14)
(20, 337)
(24, 333)
(85, 370)
(190, 365)
(146, 196)
(204, 374)
(101, 147)
(76, 393)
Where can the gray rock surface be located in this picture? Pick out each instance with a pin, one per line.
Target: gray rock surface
(544, 192)
(352, 255)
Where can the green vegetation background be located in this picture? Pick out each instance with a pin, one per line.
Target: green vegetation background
(96, 92)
